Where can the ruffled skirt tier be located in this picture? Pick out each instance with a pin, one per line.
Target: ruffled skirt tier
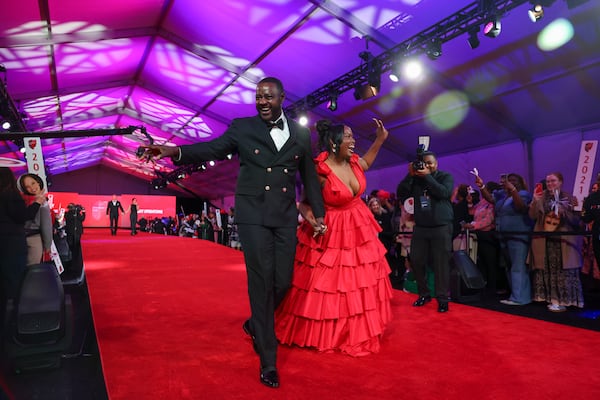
(340, 294)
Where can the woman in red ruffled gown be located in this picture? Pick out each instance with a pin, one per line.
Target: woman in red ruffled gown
(340, 294)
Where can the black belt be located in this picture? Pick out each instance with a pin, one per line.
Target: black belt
(32, 233)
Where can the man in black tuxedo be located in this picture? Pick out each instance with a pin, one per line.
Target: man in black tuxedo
(112, 210)
(272, 150)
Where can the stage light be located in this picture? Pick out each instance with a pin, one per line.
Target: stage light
(492, 28)
(536, 12)
(365, 91)
(332, 104)
(473, 39)
(395, 72)
(6, 125)
(159, 183)
(303, 120)
(374, 76)
(413, 70)
(434, 49)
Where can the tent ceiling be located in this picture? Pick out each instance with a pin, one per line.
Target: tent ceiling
(184, 69)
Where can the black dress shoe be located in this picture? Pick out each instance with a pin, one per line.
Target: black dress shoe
(421, 301)
(249, 332)
(270, 378)
(443, 306)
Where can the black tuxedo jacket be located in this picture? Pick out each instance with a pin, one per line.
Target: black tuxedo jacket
(266, 185)
(113, 210)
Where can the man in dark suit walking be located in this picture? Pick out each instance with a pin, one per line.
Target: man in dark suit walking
(272, 150)
(112, 210)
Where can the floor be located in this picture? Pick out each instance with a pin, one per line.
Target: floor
(79, 376)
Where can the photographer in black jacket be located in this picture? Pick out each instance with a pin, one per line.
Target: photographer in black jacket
(432, 235)
(74, 218)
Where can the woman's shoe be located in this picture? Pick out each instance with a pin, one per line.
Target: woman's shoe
(556, 308)
(510, 303)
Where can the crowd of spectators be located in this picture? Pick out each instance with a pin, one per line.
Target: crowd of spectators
(211, 225)
(530, 246)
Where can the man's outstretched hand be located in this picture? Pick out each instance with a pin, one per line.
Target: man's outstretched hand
(155, 152)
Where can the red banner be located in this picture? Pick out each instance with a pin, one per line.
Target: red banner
(149, 207)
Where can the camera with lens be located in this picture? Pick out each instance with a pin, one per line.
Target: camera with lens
(419, 163)
(75, 209)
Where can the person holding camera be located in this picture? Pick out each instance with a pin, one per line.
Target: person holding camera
(431, 190)
(74, 218)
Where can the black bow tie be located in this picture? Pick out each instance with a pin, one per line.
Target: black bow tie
(273, 124)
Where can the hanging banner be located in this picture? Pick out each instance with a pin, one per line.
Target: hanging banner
(585, 169)
(35, 158)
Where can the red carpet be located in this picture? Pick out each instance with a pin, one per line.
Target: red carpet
(168, 313)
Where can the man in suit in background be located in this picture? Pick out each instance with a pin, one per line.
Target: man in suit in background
(272, 149)
(112, 210)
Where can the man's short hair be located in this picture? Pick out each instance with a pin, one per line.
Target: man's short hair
(276, 81)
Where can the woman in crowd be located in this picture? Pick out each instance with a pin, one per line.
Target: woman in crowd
(387, 237)
(511, 208)
(13, 244)
(487, 244)
(556, 260)
(133, 214)
(38, 229)
(461, 213)
(340, 294)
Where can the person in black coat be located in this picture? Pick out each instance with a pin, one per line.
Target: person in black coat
(112, 210)
(431, 190)
(133, 214)
(272, 150)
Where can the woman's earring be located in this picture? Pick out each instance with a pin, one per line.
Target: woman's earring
(333, 149)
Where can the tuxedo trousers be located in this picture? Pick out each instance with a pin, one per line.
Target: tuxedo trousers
(269, 255)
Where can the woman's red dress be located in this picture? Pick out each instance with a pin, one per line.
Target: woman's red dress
(340, 293)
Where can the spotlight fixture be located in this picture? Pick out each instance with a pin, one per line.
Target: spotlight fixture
(492, 28)
(365, 91)
(434, 49)
(332, 104)
(413, 70)
(6, 125)
(159, 183)
(473, 39)
(536, 12)
(303, 119)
